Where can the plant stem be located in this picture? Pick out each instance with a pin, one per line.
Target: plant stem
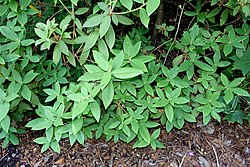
(113, 7)
(176, 33)
(64, 6)
(133, 10)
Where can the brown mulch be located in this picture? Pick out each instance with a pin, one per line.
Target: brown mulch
(218, 144)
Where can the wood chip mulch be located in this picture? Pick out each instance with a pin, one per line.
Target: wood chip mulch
(215, 145)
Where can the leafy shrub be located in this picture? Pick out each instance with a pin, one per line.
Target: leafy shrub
(84, 80)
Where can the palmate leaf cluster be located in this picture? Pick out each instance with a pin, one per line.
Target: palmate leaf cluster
(68, 70)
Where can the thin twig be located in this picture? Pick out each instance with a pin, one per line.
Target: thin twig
(176, 33)
(182, 160)
(65, 7)
(226, 23)
(55, 14)
(216, 156)
(133, 10)
(74, 24)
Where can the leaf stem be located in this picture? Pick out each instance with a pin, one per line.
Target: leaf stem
(65, 7)
(113, 7)
(133, 10)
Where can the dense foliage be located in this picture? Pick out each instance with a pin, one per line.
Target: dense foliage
(84, 69)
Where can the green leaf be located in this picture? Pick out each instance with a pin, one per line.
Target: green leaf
(143, 131)
(126, 130)
(39, 124)
(223, 17)
(206, 119)
(236, 82)
(104, 27)
(156, 134)
(152, 5)
(240, 92)
(161, 103)
(238, 45)
(95, 110)
(138, 64)
(101, 61)
(93, 21)
(140, 144)
(103, 49)
(118, 60)
(185, 65)
(79, 108)
(108, 95)
(194, 31)
(214, 12)
(190, 13)
(224, 80)
(55, 146)
(114, 124)
(246, 9)
(213, 2)
(91, 40)
(180, 100)
(4, 9)
(13, 6)
(26, 92)
(91, 76)
(124, 20)
(41, 140)
(71, 59)
(228, 97)
(216, 116)
(22, 18)
(8, 33)
(148, 88)
(135, 50)
(115, 19)
(135, 126)
(169, 112)
(49, 133)
(24, 3)
(110, 37)
(159, 144)
(45, 147)
(29, 77)
(17, 76)
(228, 48)
(105, 79)
(144, 17)
(63, 47)
(92, 68)
(27, 42)
(40, 33)
(81, 11)
(80, 137)
(5, 124)
(169, 126)
(126, 72)
(189, 117)
(4, 109)
(77, 125)
(74, 2)
(13, 139)
(56, 54)
(127, 4)
(203, 66)
(243, 63)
